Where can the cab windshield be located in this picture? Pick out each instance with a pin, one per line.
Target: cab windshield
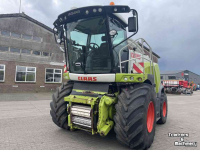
(87, 46)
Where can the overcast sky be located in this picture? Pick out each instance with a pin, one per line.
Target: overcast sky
(171, 27)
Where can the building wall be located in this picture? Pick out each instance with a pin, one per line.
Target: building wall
(9, 85)
(23, 26)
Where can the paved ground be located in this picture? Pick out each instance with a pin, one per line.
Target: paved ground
(24, 96)
(27, 125)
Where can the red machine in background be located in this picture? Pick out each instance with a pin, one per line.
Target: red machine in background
(177, 87)
(194, 86)
(188, 89)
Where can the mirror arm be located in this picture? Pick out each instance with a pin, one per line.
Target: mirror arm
(65, 51)
(134, 13)
(125, 40)
(54, 34)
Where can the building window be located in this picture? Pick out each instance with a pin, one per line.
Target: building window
(161, 77)
(25, 51)
(25, 74)
(27, 37)
(171, 77)
(15, 50)
(38, 39)
(3, 48)
(53, 76)
(36, 52)
(45, 54)
(2, 73)
(15, 35)
(5, 33)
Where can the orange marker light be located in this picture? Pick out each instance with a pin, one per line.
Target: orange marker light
(112, 3)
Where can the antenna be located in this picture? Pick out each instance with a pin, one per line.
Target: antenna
(20, 6)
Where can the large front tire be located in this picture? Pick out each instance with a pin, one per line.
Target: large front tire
(136, 116)
(59, 106)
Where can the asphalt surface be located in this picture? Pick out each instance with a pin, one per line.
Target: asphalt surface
(26, 124)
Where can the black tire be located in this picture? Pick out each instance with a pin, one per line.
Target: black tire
(59, 106)
(131, 116)
(163, 118)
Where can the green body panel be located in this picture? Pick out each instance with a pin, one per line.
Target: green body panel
(144, 76)
(120, 77)
(157, 77)
(104, 123)
(156, 73)
(95, 92)
(81, 99)
(66, 76)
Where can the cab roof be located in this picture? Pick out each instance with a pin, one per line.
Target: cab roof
(91, 11)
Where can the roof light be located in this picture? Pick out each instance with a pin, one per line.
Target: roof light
(100, 9)
(94, 10)
(112, 3)
(87, 12)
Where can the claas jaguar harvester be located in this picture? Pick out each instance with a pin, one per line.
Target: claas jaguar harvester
(109, 85)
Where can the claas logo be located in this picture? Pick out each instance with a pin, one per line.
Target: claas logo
(135, 55)
(87, 78)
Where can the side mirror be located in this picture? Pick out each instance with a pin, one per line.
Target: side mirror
(132, 24)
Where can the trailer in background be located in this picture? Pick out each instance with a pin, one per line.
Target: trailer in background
(177, 87)
(173, 86)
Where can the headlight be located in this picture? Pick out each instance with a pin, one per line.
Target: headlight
(125, 78)
(100, 9)
(132, 78)
(87, 12)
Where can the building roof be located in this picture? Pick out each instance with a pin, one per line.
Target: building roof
(23, 15)
(175, 72)
(148, 50)
(171, 72)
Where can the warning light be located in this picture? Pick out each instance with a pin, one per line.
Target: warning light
(112, 3)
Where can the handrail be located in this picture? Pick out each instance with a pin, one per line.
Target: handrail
(141, 50)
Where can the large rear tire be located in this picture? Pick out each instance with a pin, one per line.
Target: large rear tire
(136, 116)
(59, 106)
(163, 109)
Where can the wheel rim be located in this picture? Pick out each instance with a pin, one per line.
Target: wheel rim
(150, 117)
(164, 109)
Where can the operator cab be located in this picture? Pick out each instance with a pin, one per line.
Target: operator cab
(93, 37)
